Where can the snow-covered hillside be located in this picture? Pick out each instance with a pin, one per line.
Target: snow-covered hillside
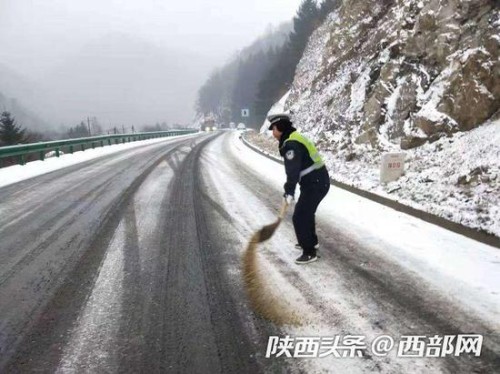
(455, 178)
(418, 76)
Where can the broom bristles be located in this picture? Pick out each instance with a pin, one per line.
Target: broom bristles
(262, 300)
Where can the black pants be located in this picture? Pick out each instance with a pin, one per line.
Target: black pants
(312, 190)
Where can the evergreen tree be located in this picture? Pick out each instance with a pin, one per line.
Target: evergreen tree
(280, 76)
(328, 6)
(10, 132)
(304, 23)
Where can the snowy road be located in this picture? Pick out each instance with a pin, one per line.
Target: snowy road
(131, 263)
(108, 266)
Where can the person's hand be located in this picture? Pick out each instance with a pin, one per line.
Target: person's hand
(288, 199)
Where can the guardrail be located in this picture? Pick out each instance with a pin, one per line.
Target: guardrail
(24, 151)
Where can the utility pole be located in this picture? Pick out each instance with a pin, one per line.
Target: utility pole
(123, 128)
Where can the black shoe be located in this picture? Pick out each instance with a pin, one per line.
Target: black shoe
(305, 259)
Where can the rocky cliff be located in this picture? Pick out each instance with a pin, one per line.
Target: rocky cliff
(400, 71)
(417, 75)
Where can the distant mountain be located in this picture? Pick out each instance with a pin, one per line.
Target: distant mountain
(123, 80)
(14, 84)
(18, 95)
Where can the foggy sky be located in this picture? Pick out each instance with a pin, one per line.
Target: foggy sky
(37, 36)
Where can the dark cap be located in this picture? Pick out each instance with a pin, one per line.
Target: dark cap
(282, 118)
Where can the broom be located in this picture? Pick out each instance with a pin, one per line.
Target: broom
(261, 299)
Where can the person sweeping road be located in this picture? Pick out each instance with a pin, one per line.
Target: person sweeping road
(303, 165)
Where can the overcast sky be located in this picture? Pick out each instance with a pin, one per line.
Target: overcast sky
(36, 33)
(55, 45)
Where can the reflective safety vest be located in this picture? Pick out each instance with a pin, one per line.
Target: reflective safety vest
(311, 149)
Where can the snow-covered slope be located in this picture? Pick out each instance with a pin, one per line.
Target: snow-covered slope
(422, 76)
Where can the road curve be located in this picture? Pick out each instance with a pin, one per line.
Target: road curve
(131, 263)
(113, 266)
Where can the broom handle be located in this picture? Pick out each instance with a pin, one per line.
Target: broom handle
(283, 210)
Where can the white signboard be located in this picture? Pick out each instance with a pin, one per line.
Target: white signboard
(391, 167)
(245, 112)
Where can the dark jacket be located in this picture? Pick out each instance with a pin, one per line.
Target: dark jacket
(296, 159)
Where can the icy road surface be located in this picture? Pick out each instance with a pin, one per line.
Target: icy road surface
(131, 263)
